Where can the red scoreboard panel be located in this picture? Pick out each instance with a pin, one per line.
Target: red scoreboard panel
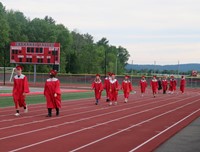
(35, 53)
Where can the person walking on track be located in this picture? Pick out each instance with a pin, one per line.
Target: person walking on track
(52, 93)
(106, 86)
(143, 85)
(20, 89)
(182, 84)
(126, 87)
(113, 88)
(97, 86)
(154, 86)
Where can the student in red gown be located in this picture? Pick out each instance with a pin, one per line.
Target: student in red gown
(164, 84)
(154, 86)
(143, 85)
(106, 86)
(20, 89)
(98, 88)
(182, 84)
(113, 88)
(126, 87)
(52, 93)
(172, 85)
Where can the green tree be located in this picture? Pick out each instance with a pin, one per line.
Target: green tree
(4, 35)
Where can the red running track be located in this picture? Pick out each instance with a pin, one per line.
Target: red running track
(140, 125)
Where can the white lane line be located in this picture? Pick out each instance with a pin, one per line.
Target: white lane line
(64, 103)
(152, 138)
(138, 124)
(42, 114)
(87, 118)
(82, 119)
(91, 127)
(43, 120)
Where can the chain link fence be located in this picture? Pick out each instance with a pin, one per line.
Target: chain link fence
(86, 80)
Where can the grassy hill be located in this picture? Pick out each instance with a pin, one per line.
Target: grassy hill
(180, 67)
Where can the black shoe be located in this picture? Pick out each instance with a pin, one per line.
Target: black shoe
(49, 112)
(57, 111)
(107, 100)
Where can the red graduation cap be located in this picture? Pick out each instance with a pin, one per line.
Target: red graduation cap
(127, 76)
(53, 72)
(112, 74)
(109, 73)
(19, 67)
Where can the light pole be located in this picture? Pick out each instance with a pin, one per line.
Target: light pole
(116, 64)
(105, 61)
(132, 71)
(4, 67)
(54, 54)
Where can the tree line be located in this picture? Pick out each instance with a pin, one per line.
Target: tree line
(79, 52)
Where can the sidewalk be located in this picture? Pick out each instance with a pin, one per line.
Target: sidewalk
(187, 140)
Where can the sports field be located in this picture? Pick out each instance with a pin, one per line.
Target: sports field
(140, 125)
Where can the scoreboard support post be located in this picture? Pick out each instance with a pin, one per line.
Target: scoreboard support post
(35, 72)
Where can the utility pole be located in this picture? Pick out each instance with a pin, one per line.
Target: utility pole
(154, 67)
(105, 61)
(132, 71)
(4, 67)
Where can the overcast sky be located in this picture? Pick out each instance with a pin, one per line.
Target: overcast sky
(165, 31)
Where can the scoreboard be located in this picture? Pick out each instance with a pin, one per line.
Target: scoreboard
(34, 53)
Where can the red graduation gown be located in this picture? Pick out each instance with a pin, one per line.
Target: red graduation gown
(172, 85)
(98, 88)
(154, 86)
(127, 88)
(52, 86)
(143, 85)
(164, 85)
(182, 85)
(20, 87)
(113, 88)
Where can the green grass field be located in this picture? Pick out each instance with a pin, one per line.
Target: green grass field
(34, 99)
(5, 91)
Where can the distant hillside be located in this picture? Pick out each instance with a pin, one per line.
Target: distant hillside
(182, 67)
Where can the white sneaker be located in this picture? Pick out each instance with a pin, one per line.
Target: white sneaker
(115, 103)
(126, 100)
(110, 103)
(17, 114)
(26, 110)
